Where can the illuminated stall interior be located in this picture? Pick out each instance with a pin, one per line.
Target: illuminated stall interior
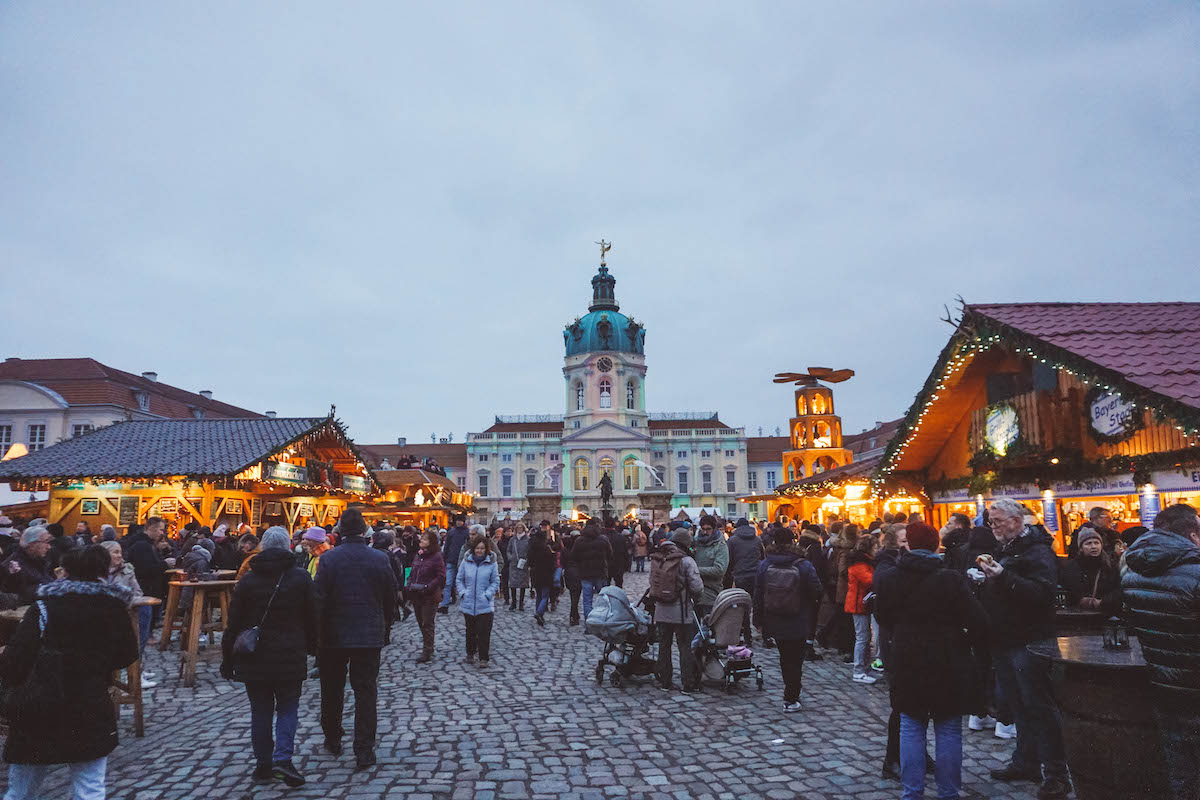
(418, 498)
(1063, 406)
(845, 493)
(264, 471)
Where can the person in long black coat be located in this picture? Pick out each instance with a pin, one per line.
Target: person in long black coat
(276, 595)
(542, 564)
(937, 660)
(88, 621)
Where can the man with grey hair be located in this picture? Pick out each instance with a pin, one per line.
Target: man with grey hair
(1018, 595)
(27, 568)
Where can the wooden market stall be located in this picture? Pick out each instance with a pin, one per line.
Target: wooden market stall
(417, 497)
(846, 492)
(1064, 406)
(264, 471)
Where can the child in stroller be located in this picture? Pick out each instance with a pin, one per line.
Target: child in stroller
(718, 648)
(628, 634)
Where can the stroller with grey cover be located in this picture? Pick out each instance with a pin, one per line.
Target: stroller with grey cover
(718, 647)
(628, 634)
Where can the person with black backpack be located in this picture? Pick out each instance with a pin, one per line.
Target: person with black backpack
(675, 585)
(785, 590)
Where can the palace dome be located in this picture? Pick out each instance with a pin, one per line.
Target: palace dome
(604, 327)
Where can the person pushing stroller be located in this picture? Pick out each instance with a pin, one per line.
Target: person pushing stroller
(675, 586)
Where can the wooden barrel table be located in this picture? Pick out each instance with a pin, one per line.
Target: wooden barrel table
(1074, 621)
(1108, 725)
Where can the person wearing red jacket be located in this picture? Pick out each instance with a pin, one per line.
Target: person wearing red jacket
(860, 575)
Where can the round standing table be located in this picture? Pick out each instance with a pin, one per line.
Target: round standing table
(1108, 726)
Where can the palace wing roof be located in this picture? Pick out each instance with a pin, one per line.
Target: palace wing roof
(150, 448)
(1153, 345)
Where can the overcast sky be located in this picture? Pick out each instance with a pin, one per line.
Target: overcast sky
(393, 209)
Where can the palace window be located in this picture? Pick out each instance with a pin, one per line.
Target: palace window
(554, 456)
(554, 479)
(751, 480)
(482, 456)
(5, 439)
(706, 480)
(506, 458)
(683, 481)
(606, 467)
(483, 484)
(579, 397)
(530, 481)
(729, 454)
(530, 457)
(633, 474)
(461, 480)
(582, 474)
(770, 479)
(730, 480)
(731, 510)
(662, 474)
(658, 453)
(605, 393)
(37, 437)
(681, 454)
(706, 453)
(630, 396)
(506, 483)
(81, 429)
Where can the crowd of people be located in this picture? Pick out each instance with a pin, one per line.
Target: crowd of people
(943, 616)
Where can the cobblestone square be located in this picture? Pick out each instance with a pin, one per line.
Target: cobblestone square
(536, 725)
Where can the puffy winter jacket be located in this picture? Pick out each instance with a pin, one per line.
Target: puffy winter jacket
(745, 551)
(860, 577)
(477, 584)
(1161, 590)
(712, 558)
(590, 555)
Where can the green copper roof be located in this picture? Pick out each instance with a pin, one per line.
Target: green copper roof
(604, 327)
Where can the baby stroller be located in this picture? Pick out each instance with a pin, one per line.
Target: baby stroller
(717, 646)
(627, 632)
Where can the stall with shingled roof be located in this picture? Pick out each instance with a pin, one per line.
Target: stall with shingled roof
(262, 471)
(1063, 406)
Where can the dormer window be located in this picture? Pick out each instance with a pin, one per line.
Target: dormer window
(143, 400)
(197, 413)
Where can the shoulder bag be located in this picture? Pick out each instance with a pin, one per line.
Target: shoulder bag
(247, 641)
(40, 694)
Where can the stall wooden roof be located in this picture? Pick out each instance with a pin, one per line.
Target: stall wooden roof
(1147, 352)
(393, 478)
(194, 449)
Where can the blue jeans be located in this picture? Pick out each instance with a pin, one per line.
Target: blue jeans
(558, 572)
(279, 700)
(543, 600)
(590, 589)
(947, 735)
(448, 592)
(87, 780)
(1025, 684)
(145, 614)
(640, 562)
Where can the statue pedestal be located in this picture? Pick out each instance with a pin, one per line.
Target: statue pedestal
(543, 504)
(658, 503)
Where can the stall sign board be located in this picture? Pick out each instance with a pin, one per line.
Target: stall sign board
(127, 510)
(306, 510)
(1151, 504)
(1025, 491)
(273, 508)
(1110, 415)
(233, 506)
(168, 506)
(356, 484)
(1096, 487)
(256, 511)
(952, 496)
(89, 506)
(283, 472)
(1050, 514)
(100, 487)
(1175, 481)
(1003, 426)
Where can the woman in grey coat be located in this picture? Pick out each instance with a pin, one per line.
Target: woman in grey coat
(518, 568)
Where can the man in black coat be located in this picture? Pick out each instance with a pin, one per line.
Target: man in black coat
(591, 556)
(27, 568)
(356, 595)
(1161, 589)
(149, 567)
(1018, 595)
(456, 539)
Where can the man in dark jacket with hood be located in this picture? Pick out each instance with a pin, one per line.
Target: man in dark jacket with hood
(356, 595)
(590, 557)
(786, 587)
(1018, 595)
(1161, 589)
(149, 567)
(745, 551)
(456, 539)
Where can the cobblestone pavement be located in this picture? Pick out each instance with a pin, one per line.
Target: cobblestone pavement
(536, 725)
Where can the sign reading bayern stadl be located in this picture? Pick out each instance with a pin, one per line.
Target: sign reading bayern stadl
(1110, 415)
(283, 472)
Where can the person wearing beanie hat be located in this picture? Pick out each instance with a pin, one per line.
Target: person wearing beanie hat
(315, 544)
(922, 537)
(1086, 534)
(674, 608)
(931, 665)
(357, 589)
